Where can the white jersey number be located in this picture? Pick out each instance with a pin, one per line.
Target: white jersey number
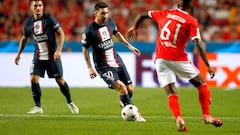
(165, 32)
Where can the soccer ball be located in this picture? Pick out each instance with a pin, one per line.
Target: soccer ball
(129, 112)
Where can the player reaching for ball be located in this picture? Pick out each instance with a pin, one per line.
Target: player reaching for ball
(176, 26)
(108, 64)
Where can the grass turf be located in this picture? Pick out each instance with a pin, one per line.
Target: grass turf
(100, 112)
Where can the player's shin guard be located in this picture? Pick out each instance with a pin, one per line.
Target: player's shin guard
(204, 98)
(66, 92)
(174, 106)
(125, 99)
(36, 93)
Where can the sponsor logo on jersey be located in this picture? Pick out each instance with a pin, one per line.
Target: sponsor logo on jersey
(106, 44)
(40, 38)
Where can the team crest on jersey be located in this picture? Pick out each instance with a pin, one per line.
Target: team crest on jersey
(104, 34)
(38, 27)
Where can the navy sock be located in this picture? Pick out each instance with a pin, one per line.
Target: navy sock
(130, 94)
(125, 99)
(65, 91)
(36, 93)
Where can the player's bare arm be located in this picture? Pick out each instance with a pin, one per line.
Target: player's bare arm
(199, 45)
(122, 39)
(22, 44)
(132, 31)
(60, 36)
(91, 69)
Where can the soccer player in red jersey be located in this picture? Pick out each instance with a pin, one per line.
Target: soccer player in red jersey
(176, 26)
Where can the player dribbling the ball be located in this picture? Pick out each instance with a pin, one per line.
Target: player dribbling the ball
(108, 64)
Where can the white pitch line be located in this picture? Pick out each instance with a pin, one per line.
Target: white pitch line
(101, 116)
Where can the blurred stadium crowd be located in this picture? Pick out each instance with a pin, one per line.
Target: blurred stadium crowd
(219, 19)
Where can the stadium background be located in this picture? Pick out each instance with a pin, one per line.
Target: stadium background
(219, 24)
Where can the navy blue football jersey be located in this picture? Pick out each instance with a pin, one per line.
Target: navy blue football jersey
(100, 39)
(43, 33)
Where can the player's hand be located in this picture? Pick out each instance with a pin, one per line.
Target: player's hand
(57, 55)
(131, 33)
(211, 71)
(135, 50)
(92, 72)
(17, 59)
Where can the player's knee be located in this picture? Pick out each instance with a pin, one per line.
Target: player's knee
(130, 88)
(34, 79)
(60, 81)
(197, 81)
(120, 87)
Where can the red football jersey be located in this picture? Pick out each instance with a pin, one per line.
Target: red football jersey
(175, 28)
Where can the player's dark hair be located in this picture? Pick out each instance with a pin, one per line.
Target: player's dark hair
(35, 0)
(100, 5)
(43, 1)
(184, 3)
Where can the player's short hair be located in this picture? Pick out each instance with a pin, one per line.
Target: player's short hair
(36, 0)
(100, 5)
(184, 3)
(43, 1)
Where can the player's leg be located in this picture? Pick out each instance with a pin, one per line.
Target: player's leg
(36, 71)
(187, 71)
(125, 78)
(123, 92)
(64, 88)
(130, 89)
(167, 79)
(173, 104)
(66, 92)
(55, 71)
(204, 97)
(110, 76)
(124, 97)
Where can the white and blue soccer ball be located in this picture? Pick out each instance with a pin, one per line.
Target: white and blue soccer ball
(129, 112)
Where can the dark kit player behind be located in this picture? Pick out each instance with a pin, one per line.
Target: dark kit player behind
(47, 55)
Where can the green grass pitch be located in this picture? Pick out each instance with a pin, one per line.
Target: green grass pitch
(100, 112)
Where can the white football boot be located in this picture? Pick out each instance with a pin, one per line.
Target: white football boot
(73, 108)
(35, 110)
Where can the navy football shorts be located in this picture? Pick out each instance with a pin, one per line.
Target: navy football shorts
(53, 68)
(112, 74)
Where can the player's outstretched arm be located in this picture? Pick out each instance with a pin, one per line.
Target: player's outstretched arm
(122, 39)
(22, 44)
(91, 69)
(131, 32)
(199, 45)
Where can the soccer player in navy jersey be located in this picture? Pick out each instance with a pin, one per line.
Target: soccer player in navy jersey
(176, 26)
(42, 27)
(109, 65)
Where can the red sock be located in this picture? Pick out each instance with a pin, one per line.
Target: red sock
(204, 98)
(174, 106)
